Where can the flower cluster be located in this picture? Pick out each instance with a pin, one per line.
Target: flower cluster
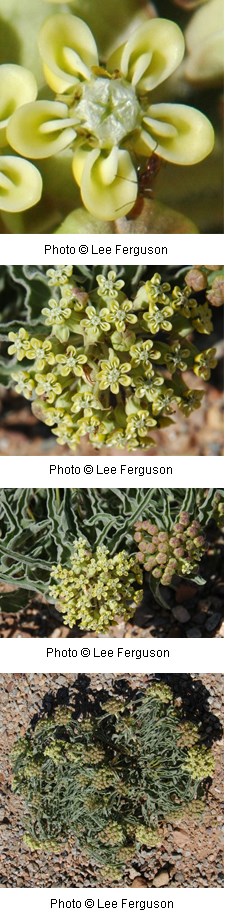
(148, 836)
(112, 834)
(117, 803)
(165, 553)
(33, 843)
(103, 113)
(111, 368)
(199, 762)
(97, 589)
(189, 734)
(159, 691)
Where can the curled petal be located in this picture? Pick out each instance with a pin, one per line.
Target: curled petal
(68, 50)
(205, 63)
(108, 183)
(150, 55)
(204, 39)
(17, 86)
(40, 129)
(180, 134)
(20, 184)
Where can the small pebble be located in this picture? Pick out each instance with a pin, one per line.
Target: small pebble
(212, 622)
(162, 879)
(181, 614)
(194, 632)
(139, 883)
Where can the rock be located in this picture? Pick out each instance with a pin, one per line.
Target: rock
(193, 632)
(200, 619)
(179, 877)
(132, 872)
(181, 614)
(180, 839)
(212, 622)
(161, 879)
(139, 883)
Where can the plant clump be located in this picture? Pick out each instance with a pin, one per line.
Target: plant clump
(97, 588)
(143, 775)
(165, 553)
(108, 367)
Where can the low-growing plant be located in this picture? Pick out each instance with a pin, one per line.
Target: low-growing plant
(110, 777)
(106, 362)
(99, 581)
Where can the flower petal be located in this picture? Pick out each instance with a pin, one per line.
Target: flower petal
(204, 39)
(40, 129)
(20, 184)
(17, 86)
(108, 183)
(180, 134)
(68, 50)
(150, 55)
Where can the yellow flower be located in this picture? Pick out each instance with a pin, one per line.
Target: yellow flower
(48, 386)
(20, 343)
(119, 315)
(204, 362)
(105, 114)
(41, 352)
(113, 373)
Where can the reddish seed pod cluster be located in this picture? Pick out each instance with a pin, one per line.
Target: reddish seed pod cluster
(165, 553)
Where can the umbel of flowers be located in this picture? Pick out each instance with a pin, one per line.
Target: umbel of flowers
(108, 367)
(165, 553)
(108, 776)
(97, 589)
(105, 113)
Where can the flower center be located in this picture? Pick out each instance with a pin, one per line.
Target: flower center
(108, 109)
(39, 353)
(113, 375)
